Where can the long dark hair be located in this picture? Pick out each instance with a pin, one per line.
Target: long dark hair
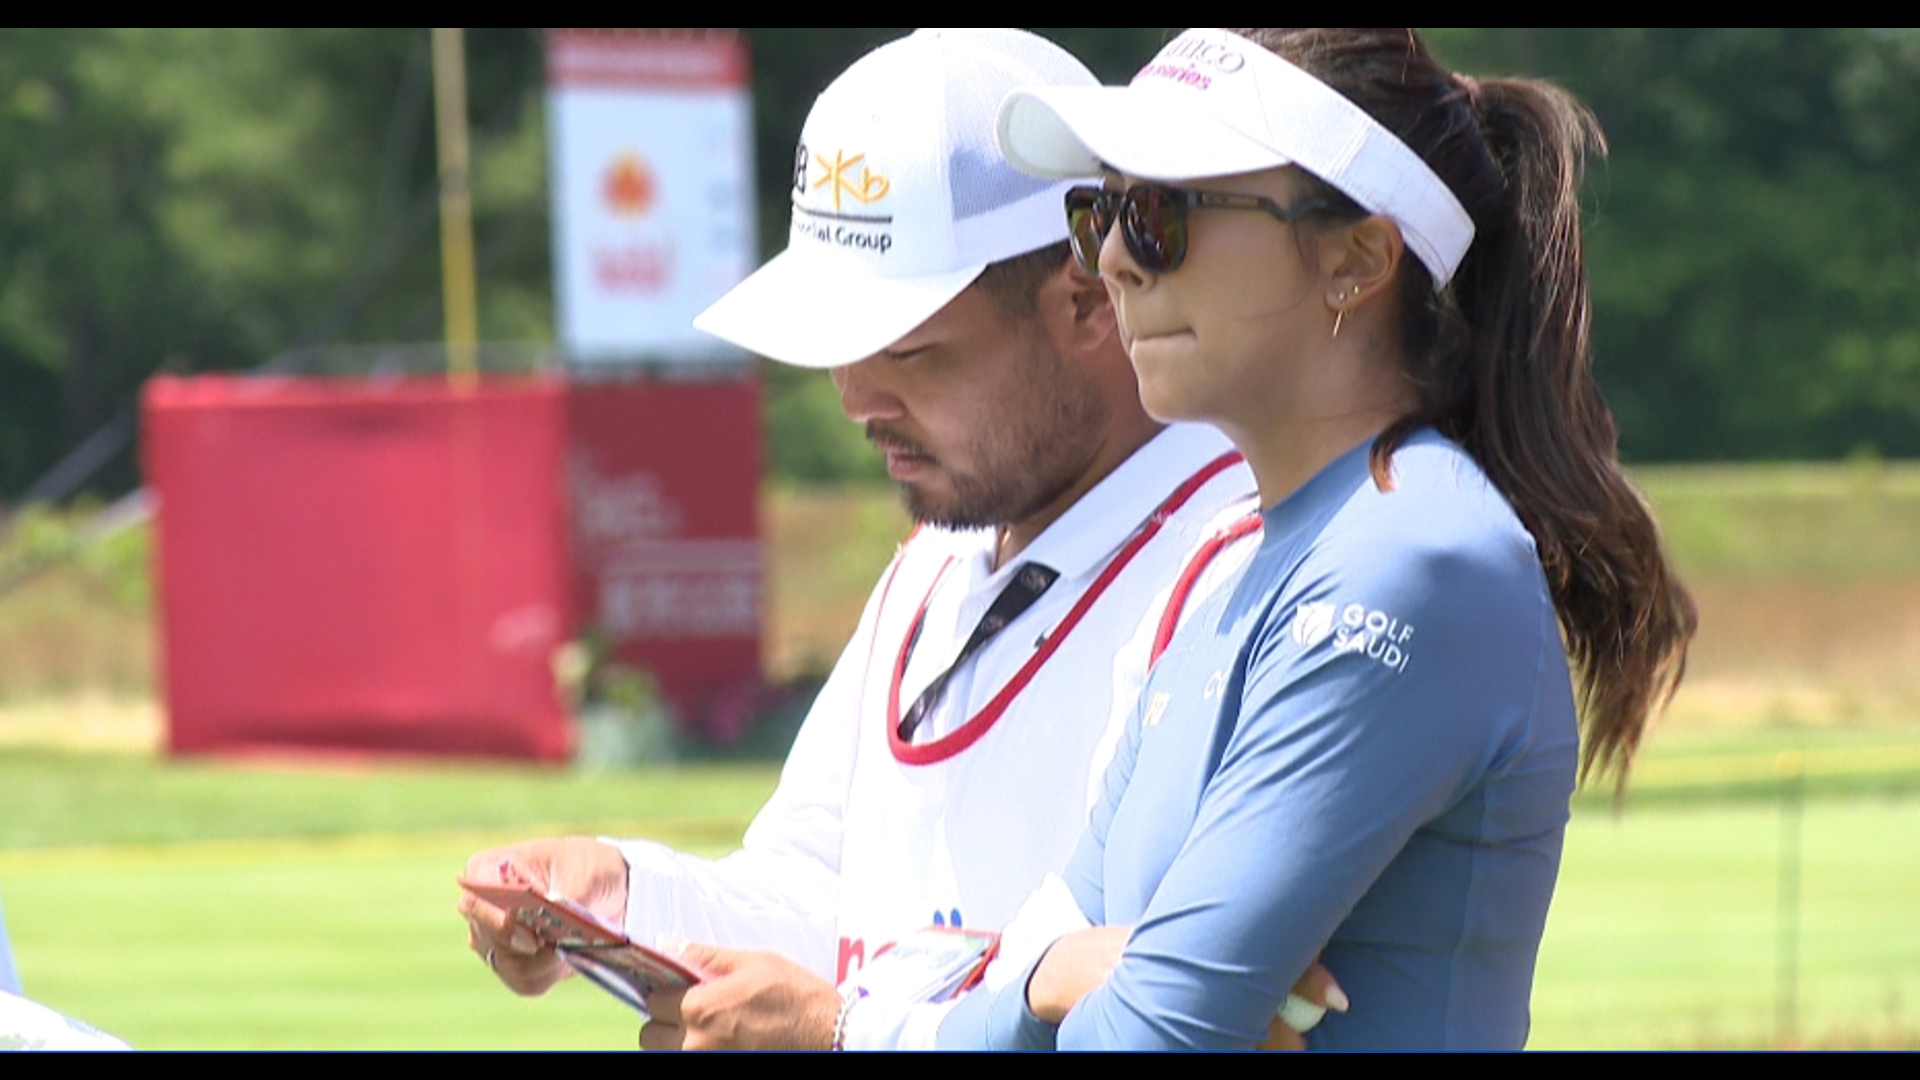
(1500, 358)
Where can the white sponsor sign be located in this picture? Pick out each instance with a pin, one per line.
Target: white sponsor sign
(651, 153)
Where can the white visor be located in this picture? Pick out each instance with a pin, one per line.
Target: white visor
(1214, 104)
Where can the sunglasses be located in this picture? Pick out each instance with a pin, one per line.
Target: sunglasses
(1153, 220)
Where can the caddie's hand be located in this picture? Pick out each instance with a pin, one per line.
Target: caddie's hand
(745, 1001)
(1313, 995)
(585, 871)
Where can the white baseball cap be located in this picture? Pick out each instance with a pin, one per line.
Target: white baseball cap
(1214, 104)
(900, 197)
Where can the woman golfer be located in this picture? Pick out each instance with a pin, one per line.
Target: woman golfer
(1368, 273)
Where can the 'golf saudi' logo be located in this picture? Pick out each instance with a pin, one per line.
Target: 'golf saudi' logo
(1312, 623)
(1354, 628)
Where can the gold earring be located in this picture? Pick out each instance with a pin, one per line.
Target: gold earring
(1339, 315)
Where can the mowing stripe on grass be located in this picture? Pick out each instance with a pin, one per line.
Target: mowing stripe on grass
(1724, 768)
(697, 835)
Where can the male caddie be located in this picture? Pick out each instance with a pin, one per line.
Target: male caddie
(950, 760)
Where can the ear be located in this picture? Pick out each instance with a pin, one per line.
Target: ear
(1362, 262)
(1079, 311)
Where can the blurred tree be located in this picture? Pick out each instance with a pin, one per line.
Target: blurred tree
(79, 239)
(1755, 247)
(204, 198)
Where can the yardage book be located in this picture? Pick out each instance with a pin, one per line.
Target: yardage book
(601, 953)
(930, 965)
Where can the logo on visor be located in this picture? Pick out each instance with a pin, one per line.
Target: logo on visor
(1183, 61)
(1220, 58)
(867, 188)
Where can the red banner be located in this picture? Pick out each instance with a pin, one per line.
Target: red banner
(353, 565)
(668, 566)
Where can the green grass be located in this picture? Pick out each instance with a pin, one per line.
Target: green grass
(1755, 763)
(210, 905)
(280, 944)
(1665, 929)
(243, 907)
(317, 909)
(1811, 522)
(52, 798)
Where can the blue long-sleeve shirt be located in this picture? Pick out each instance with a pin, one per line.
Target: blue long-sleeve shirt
(1363, 752)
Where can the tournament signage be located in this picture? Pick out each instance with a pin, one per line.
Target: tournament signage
(666, 552)
(650, 144)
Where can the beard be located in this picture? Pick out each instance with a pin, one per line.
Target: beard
(1021, 459)
(988, 498)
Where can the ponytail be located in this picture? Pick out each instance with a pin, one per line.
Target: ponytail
(1501, 360)
(1537, 424)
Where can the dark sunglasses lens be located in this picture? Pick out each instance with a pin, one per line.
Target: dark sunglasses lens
(1089, 217)
(1155, 228)
(1086, 227)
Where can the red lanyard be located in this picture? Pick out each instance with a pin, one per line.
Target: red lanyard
(981, 722)
(1170, 619)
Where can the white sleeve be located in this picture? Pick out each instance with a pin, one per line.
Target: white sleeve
(781, 891)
